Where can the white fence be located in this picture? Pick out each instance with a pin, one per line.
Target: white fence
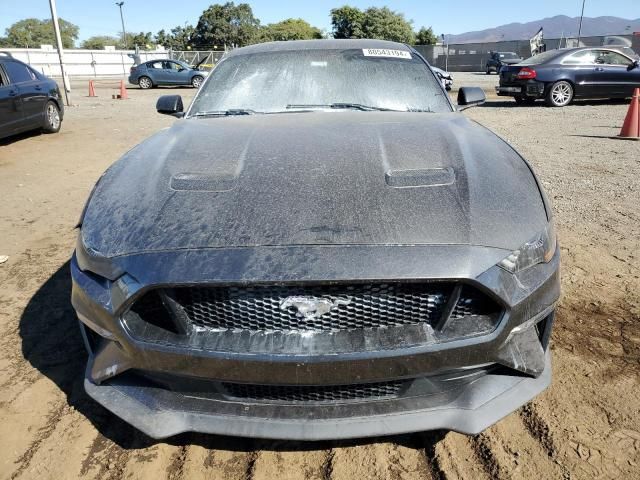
(83, 63)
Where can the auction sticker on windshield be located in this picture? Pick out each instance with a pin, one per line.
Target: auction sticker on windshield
(384, 52)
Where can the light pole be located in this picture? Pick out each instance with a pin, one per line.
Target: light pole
(124, 37)
(580, 26)
(56, 28)
(446, 53)
(124, 32)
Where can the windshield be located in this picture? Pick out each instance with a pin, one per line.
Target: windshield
(509, 56)
(268, 82)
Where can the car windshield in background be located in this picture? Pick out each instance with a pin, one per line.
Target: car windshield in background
(541, 57)
(509, 56)
(360, 79)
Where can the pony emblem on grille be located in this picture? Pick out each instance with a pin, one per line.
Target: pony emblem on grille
(311, 308)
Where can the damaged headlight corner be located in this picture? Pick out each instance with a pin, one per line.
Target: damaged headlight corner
(90, 260)
(540, 249)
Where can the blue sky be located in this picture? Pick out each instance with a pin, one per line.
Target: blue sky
(101, 17)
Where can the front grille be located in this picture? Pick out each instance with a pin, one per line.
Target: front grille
(314, 308)
(325, 393)
(356, 306)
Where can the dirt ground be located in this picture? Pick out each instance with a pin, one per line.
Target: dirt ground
(587, 425)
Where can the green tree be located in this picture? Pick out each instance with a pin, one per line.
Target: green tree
(98, 42)
(141, 40)
(33, 33)
(347, 22)
(178, 39)
(289, 29)
(385, 24)
(228, 24)
(381, 23)
(425, 36)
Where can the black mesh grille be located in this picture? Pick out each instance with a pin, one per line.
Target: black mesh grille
(472, 303)
(355, 306)
(276, 308)
(331, 393)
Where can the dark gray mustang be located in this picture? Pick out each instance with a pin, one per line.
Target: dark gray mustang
(322, 247)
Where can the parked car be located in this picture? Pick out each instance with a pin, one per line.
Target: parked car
(326, 250)
(445, 77)
(559, 76)
(165, 72)
(498, 59)
(28, 99)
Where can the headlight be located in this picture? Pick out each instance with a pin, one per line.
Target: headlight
(540, 249)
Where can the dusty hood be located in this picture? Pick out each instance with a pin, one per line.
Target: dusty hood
(369, 178)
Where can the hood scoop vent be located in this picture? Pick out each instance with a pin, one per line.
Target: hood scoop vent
(423, 177)
(202, 182)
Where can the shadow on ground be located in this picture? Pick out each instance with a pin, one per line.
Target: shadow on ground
(20, 136)
(510, 103)
(52, 343)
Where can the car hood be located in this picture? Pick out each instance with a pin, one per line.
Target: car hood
(321, 178)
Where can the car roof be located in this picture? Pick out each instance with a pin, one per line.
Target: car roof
(164, 60)
(616, 48)
(330, 44)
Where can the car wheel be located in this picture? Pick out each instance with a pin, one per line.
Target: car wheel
(52, 119)
(196, 81)
(145, 83)
(559, 94)
(488, 71)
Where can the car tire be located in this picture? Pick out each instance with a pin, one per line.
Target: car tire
(488, 71)
(145, 83)
(560, 94)
(52, 120)
(196, 81)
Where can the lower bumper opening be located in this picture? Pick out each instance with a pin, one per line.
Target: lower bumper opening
(467, 402)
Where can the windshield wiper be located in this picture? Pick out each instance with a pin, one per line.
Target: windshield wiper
(340, 106)
(226, 113)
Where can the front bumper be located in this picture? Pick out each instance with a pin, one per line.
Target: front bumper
(161, 413)
(463, 385)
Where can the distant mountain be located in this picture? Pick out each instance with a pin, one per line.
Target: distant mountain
(554, 27)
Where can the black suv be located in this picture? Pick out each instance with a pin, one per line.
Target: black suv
(28, 100)
(498, 59)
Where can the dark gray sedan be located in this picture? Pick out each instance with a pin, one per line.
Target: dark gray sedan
(29, 100)
(322, 247)
(559, 76)
(165, 72)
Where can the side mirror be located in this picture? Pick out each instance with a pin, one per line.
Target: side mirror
(635, 64)
(170, 105)
(470, 97)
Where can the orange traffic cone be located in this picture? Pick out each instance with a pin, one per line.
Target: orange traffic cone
(631, 125)
(92, 89)
(123, 91)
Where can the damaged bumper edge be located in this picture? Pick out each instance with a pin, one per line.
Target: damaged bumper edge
(154, 412)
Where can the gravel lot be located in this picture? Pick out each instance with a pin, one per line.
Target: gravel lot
(587, 425)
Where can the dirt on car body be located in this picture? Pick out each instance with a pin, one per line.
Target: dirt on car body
(587, 425)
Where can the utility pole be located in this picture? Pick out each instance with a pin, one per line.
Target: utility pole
(124, 37)
(446, 53)
(580, 26)
(65, 80)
